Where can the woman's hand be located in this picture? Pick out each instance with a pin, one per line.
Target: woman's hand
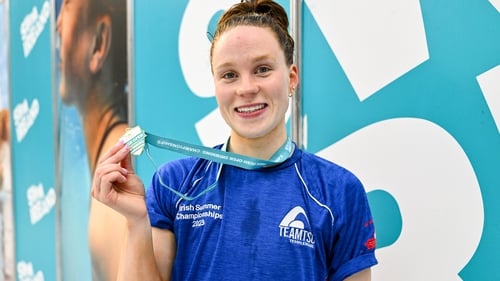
(116, 185)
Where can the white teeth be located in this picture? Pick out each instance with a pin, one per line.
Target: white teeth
(250, 108)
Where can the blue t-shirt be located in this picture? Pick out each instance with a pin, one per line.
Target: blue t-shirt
(304, 219)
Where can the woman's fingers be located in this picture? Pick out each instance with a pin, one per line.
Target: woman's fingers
(109, 171)
(126, 163)
(115, 154)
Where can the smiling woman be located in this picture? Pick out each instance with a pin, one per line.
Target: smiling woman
(300, 218)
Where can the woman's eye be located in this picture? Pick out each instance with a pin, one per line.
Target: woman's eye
(228, 75)
(263, 69)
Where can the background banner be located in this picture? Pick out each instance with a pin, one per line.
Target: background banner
(92, 113)
(32, 138)
(407, 95)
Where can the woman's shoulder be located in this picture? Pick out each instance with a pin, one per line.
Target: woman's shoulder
(328, 170)
(321, 162)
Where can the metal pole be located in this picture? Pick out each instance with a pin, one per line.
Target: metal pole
(296, 31)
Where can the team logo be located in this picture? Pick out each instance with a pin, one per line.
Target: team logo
(296, 228)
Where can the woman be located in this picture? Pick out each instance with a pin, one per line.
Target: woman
(301, 218)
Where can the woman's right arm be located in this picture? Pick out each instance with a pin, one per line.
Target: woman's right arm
(140, 260)
(148, 253)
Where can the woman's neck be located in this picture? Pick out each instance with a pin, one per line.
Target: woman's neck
(261, 148)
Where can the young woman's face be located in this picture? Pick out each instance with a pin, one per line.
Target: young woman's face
(75, 43)
(252, 81)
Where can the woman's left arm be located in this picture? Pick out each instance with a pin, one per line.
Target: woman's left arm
(364, 275)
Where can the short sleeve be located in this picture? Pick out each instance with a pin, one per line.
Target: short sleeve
(354, 247)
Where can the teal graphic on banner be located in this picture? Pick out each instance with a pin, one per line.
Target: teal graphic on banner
(32, 140)
(406, 96)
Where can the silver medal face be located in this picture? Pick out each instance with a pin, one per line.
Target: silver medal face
(135, 139)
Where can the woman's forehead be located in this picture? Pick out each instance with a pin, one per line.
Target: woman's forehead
(246, 41)
(246, 35)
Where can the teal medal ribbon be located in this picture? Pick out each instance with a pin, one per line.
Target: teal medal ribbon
(136, 139)
(221, 156)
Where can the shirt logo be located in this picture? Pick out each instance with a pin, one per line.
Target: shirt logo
(296, 229)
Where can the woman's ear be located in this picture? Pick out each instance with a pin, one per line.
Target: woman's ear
(294, 76)
(101, 44)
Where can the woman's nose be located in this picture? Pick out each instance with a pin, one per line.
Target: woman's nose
(247, 86)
